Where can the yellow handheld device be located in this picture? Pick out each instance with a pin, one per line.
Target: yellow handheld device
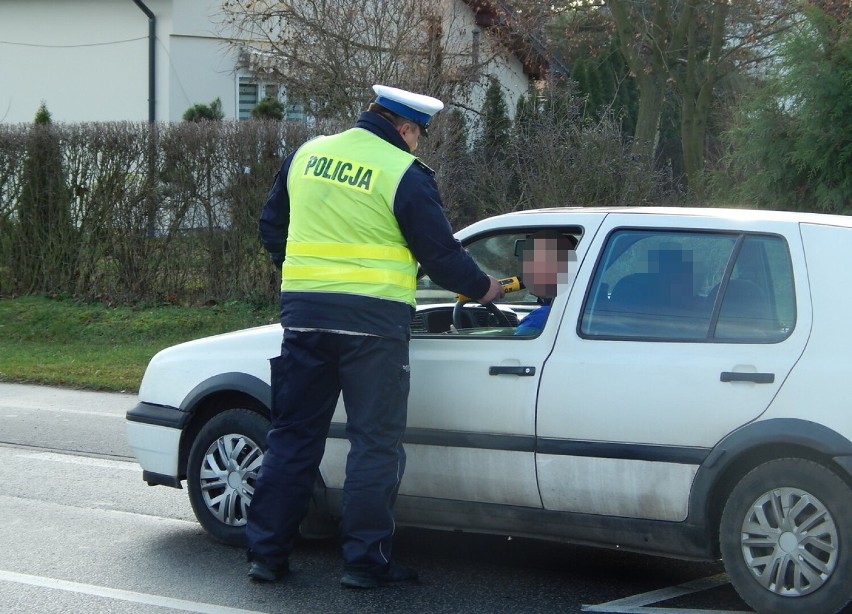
(510, 284)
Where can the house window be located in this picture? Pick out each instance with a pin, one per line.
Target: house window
(295, 111)
(248, 97)
(251, 92)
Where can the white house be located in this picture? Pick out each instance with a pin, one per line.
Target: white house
(90, 60)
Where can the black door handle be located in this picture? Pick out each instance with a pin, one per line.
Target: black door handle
(757, 378)
(522, 371)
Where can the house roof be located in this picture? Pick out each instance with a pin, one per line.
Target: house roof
(498, 17)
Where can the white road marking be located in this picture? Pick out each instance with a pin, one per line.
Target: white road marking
(639, 604)
(63, 410)
(114, 593)
(106, 511)
(81, 460)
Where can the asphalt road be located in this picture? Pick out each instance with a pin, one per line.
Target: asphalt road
(81, 532)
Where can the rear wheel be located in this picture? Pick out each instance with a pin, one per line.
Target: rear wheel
(786, 538)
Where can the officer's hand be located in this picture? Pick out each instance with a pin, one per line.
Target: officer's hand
(495, 292)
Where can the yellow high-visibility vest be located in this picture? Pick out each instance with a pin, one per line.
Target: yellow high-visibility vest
(343, 236)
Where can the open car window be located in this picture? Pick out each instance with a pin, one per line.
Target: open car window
(498, 254)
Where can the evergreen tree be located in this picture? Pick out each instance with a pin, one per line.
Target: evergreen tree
(495, 119)
(268, 108)
(45, 233)
(525, 109)
(492, 169)
(792, 146)
(604, 81)
(529, 109)
(456, 167)
(205, 112)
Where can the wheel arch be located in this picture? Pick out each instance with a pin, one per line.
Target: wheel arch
(752, 445)
(216, 395)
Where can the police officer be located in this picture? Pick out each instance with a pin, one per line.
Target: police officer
(353, 213)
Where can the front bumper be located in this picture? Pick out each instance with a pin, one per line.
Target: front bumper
(153, 434)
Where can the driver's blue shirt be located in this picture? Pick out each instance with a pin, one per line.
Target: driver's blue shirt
(533, 323)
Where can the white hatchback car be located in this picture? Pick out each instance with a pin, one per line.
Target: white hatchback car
(688, 396)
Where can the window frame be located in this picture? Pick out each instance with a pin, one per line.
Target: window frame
(519, 306)
(263, 88)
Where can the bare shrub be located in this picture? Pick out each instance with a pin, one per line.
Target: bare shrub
(168, 213)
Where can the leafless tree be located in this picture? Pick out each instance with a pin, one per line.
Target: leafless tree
(687, 47)
(328, 53)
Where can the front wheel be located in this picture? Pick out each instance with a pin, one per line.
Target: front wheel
(223, 464)
(786, 538)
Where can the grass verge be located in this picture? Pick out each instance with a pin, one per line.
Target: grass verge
(81, 345)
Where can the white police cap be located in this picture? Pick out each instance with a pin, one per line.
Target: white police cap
(416, 107)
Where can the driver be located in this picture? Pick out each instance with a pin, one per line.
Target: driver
(545, 267)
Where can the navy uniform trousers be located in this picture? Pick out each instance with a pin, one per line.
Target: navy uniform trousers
(373, 374)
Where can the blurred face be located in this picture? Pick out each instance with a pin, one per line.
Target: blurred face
(410, 133)
(544, 268)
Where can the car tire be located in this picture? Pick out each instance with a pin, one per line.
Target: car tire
(221, 471)
(786, 538)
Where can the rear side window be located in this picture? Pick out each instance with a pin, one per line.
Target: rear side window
(691, 286)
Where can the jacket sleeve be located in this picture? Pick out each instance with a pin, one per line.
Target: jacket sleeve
(275, 217)
(420, 215)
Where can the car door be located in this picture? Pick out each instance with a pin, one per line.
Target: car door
(471, 410)
(680, 330)
(472, 420)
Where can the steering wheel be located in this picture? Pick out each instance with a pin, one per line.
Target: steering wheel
(459, 321)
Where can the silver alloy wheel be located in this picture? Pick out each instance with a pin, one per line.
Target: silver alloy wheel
(789, 542)
(227, 477)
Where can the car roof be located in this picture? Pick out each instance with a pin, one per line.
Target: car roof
(715, 212)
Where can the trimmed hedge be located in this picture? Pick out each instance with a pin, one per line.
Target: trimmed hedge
(128, 213)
